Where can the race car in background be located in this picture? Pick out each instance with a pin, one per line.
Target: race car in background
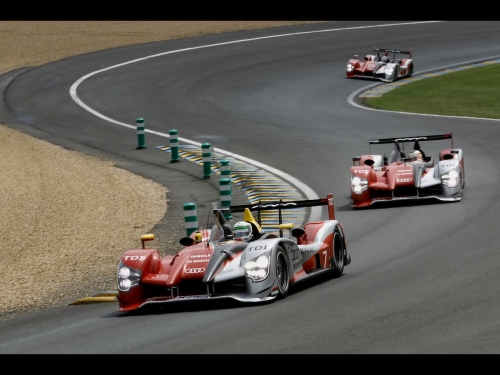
(377, 178)
(216, 265)
(373, 66)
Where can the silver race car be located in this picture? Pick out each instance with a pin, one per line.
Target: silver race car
(222, 262)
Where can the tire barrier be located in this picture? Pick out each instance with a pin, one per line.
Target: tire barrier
(225, 197)
(174, 146)
(190, 218)
(141, 136)
(206, 153)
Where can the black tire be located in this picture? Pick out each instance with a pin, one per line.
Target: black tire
(337, 263)
(411, 71)
(282, 273)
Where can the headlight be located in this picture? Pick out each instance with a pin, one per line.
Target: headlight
(127, 277)
(389, 71)
(358, 184)
(258, 268)
(450, 178)
(350, 68)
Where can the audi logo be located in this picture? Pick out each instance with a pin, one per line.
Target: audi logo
(194, 270)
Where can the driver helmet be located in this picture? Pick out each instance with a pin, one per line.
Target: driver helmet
(415, 155)
(242, 230)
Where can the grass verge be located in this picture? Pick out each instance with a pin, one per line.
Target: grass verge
(469, 93)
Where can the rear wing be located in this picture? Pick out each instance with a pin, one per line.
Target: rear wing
(284, 205)
(392, 51)
(415, 138)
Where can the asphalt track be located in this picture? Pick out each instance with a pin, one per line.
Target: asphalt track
(423, 278)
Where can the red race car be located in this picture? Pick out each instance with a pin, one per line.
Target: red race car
(407, 174)
(243, 263)
(385, 68)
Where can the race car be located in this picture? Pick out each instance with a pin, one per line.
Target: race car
(377, 178)
(216, 264)
(385, 68)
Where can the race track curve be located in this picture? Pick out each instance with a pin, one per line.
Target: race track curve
(423, 277)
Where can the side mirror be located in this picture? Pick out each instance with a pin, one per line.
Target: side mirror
(186, 241)
(298, 232)
(147, 237)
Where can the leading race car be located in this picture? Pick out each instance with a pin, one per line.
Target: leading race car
(214, 264)
(374, 66)
(377, 178)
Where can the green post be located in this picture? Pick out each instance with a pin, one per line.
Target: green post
(207, 160)
(174, 146)
(141, 141)
(190, 218)
(225, 171)
(225, 196)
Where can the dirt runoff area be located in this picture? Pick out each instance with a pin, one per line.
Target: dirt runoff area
(66, 217)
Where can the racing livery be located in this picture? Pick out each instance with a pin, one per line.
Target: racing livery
(215, 265)
(377, 178)
(372, 66)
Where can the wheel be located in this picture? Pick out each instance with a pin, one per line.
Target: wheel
(282, 273)
(339, 254)
(411, 71)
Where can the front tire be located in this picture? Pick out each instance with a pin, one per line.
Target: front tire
(337, 263)
(282, 273)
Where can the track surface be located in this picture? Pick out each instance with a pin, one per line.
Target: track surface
(423, 278)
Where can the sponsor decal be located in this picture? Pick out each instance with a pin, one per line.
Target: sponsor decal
(257, 248)
(305, 250)
(274, 205)
(405, 171)
(198, 261)
(295, 253)
(360, 171)
(274, 292)
(134, 257)
(194, 270)
(404, 179)
(200, 256)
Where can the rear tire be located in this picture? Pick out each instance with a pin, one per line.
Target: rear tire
(339, 254)
(282, 274)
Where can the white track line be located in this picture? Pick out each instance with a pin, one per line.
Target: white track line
(309, 193)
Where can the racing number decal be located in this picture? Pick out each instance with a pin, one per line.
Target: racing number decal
(326, 256)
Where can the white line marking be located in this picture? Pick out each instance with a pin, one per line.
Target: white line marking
(310, 194)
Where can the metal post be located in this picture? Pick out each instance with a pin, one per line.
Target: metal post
(174, 146)
(141, 141)
(225, 171)
(207, 160)
(190, 218)
(225, 196)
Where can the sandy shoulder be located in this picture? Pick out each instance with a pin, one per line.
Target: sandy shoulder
(65, 216)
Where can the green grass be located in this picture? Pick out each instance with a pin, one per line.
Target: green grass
(470, 93)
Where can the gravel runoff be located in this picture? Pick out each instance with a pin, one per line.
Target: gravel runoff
(56, 202)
